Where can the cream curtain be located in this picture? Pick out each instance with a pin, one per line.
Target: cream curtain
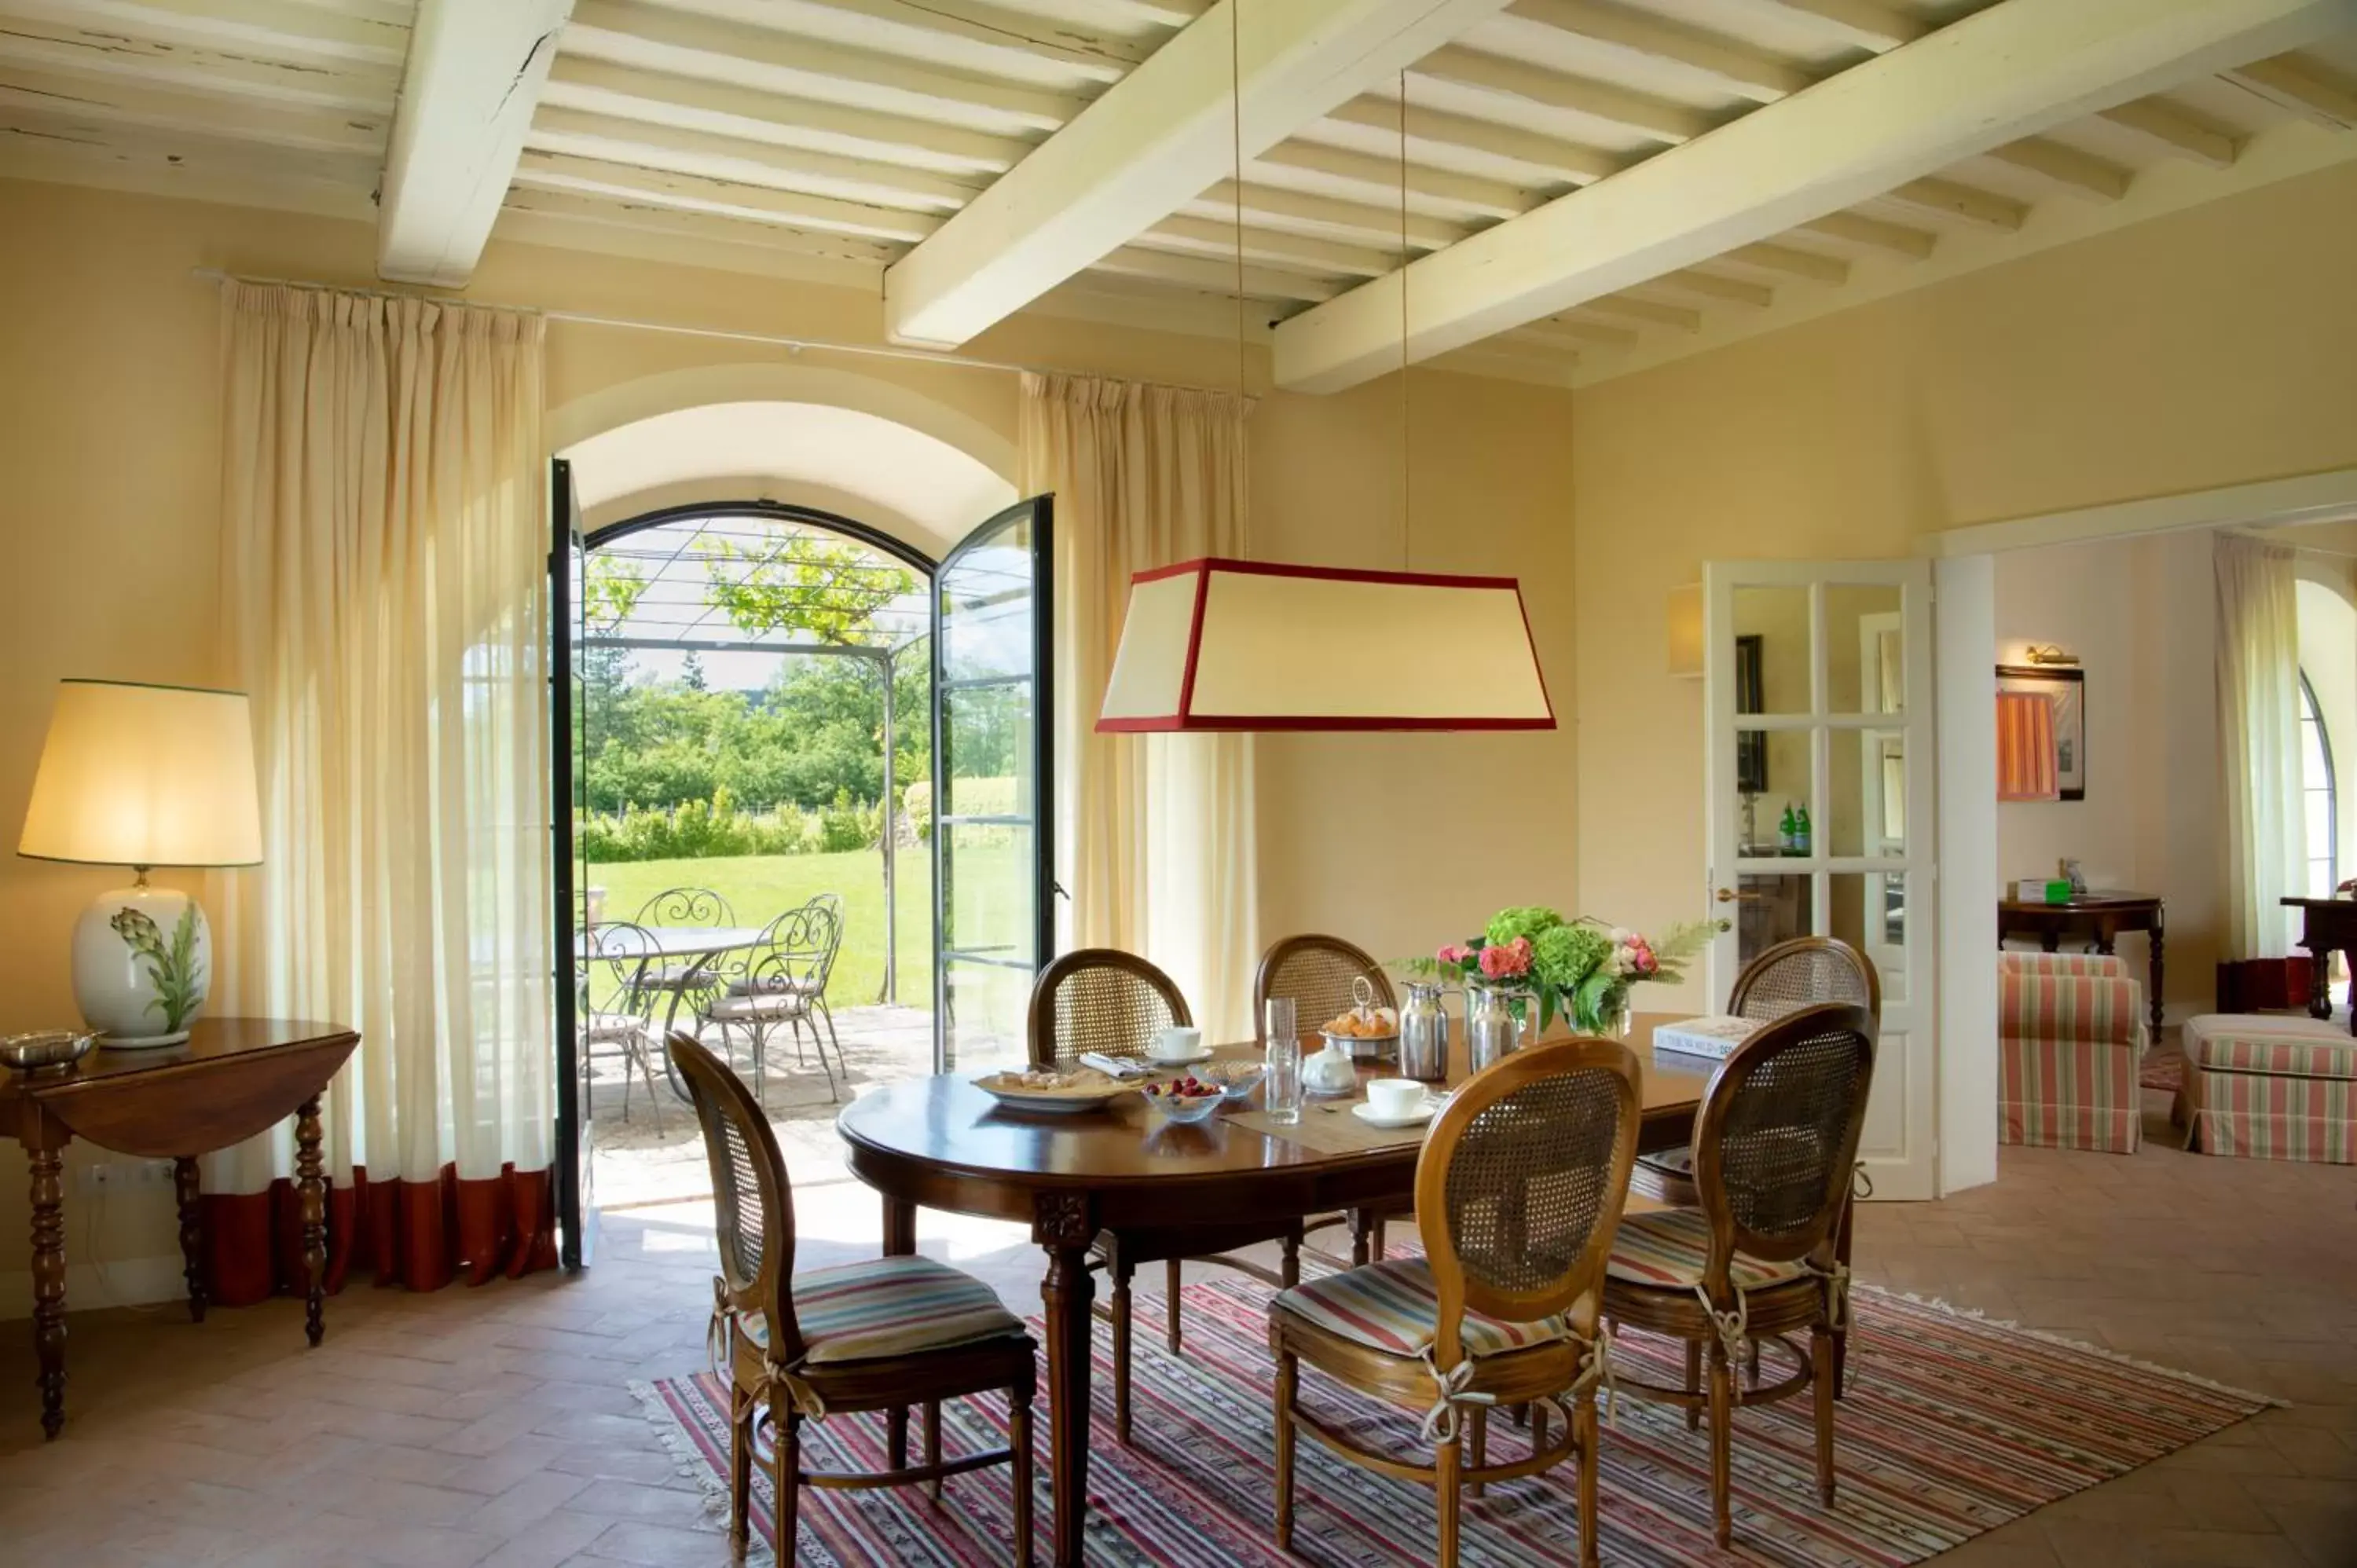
(1155, 837)
(2258, 742)
(383, 585)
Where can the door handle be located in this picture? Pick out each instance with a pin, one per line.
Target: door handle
(1730, 895)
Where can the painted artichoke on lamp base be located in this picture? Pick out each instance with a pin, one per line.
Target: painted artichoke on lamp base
(144, 775)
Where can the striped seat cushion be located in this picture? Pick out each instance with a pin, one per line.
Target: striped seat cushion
(1667, 1249)
(1678, 1163)
(890, 1307)
(2276, 1046)
(1392, 1306)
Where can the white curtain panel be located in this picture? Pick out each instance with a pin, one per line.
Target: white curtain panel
(1155, 837)
(2258, 742)
(384, 591)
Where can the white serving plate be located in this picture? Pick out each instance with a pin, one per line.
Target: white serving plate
(1415, 1118)
(1054, 1102)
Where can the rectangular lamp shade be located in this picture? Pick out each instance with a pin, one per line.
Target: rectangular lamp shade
(136, 774)
(1252, 645)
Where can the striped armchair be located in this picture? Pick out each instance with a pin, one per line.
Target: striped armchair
(2072, 1037)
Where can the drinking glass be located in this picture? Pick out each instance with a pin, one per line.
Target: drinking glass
(1281, 1090)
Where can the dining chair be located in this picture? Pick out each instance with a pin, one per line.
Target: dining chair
(881, 1335)
(783, 983)
(698, 977)
(1317, 972)
(1519, 1190)
(618, 1007)
(1109, 1003)
(1800, 972)
(1775, 1142)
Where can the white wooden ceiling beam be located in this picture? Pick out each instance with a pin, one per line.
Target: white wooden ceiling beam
(1787, 260)
(1578, 330)
(1267, 247)
(121, 102)
(749, 203)
(1995, 77)
(1378, 179)
(365, 89)
(1874, 234)
(1358, 221)
(577, 212)
(1212, 276)
(1728, 66)
(2290, 81)
(1865, 23)
(1960, 203)
(472, 81)
(1152, 144)
(1567, 163)
(606, 139)
(1525, 84)
(597, 87)
(1629, 308)
(1700, 284)
(963, 35)
(2170, 130)
(2065, 167)
(246, 29)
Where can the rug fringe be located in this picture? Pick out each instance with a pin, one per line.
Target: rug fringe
(686, 1461)
(2100, 1352)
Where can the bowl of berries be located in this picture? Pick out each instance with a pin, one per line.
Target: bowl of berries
(1184, 1100)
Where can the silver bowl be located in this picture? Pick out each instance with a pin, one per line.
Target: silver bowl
(44, 1050)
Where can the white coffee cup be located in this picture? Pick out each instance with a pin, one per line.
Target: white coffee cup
(1175, 1045)
(1395, 1098)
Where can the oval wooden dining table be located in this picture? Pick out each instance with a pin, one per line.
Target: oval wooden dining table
(940, 1142)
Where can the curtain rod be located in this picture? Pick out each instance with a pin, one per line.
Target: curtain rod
(793, 345)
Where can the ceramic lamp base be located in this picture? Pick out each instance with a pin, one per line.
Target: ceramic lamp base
(143, 962)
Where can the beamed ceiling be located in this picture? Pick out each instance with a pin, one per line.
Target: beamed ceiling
(1591, 185)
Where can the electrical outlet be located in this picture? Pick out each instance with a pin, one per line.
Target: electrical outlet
(107, 1175)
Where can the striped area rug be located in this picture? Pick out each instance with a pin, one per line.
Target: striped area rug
(1953, 1426)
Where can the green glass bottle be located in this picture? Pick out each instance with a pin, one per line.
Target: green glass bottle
(1788, 828)
(1801, 831)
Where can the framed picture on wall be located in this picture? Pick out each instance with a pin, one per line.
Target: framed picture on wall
(1750, 697)
(2066, 689)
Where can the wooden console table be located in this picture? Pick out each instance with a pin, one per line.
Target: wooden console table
(2327, 924)
(234, 1078)
(2099, 918)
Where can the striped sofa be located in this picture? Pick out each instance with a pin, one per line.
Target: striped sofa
(2270, 1086)
(2072, 1037)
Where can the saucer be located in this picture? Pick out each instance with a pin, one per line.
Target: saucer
(1415, 1118)
(1202, 1055)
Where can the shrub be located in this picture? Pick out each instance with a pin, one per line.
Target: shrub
(847, 824)
(698, 830)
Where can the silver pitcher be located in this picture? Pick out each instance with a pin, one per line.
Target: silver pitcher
(1424, 1034)
(1492, 1032)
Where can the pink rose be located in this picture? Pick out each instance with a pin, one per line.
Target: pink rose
(1453, 954)
(1642, 958)
(1507, 960)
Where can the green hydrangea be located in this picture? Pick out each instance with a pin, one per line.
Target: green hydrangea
(1563, 956)
(1529, 920)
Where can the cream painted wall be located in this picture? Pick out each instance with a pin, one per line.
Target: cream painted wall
(2215, 347)
(108, 433)
(2140, 614)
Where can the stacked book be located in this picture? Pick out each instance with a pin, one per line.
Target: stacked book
(1713, 1039)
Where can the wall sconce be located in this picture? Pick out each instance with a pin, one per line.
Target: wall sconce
(2049, 656)
(1685, 632)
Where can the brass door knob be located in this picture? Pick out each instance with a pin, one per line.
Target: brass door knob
(1730, 895)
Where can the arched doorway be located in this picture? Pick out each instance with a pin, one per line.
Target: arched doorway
(874, 669)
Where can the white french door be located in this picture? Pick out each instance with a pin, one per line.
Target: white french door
(1819, 772)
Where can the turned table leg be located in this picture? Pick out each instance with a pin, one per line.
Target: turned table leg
(185, 1185)
(2320, 981)
(2154, 1001)
(311, 1181)
(47, 1162)
(899, 1241)
(1063, 1228)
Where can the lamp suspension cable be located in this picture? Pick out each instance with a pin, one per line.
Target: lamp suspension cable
(1407, 543)
(1236, 136)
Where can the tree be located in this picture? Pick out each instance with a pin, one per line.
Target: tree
(830, 589)
(691, 671)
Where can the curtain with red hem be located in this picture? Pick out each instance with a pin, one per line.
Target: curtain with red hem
(420, 1235)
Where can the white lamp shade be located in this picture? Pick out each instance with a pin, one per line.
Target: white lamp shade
(1250, 645)
(134, 775)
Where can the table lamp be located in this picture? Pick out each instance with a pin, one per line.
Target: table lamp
(144, 775)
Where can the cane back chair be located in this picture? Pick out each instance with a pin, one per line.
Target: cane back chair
(1111, 1002)
(882, 1335)
(1318, 973)
(1519, 1190)
(1775, 1142)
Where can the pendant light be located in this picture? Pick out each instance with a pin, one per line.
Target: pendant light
(1225, 644)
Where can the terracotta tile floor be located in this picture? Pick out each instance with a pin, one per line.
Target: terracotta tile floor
(495, 1426)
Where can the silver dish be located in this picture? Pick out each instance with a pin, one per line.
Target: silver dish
(44, 1050)
(1366, 1048)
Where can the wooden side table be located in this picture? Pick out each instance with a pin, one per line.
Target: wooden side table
(2099, 918)
(2327, 924)
(234, 1078)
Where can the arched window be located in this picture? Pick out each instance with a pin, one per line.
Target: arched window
(2316, 797)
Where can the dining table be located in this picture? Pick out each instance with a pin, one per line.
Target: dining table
(941, 1143)
(650, 942)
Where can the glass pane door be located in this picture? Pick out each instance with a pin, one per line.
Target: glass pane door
(993, 778)
(576, 1209)
(1817, 679)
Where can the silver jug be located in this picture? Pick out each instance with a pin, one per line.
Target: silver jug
(1423, 1034)
(1492, 1032)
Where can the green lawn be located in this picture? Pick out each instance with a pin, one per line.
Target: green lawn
(760, 887)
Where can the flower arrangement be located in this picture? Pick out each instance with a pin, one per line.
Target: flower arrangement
(1579, 968)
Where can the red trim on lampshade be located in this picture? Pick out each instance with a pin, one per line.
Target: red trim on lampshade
(1538, 665)
(1194, 640)
(1321, 722)
(1326, 574)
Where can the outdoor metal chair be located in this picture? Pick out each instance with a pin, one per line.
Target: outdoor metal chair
(618, 1007)
(784, 983)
